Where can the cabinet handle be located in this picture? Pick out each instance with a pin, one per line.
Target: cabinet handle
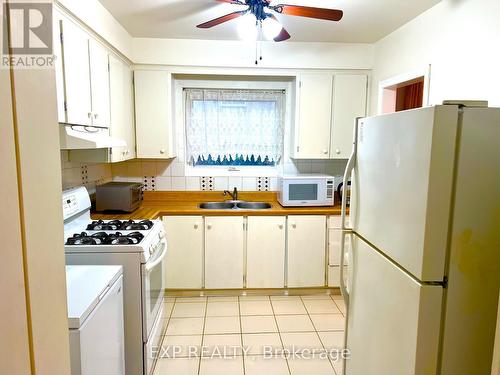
(209, 226)
(280, 226)
(95, 116)
(337, 151)
(162, 151)
(196, 226)
(325, 152)
(294, 225)
(89, 115)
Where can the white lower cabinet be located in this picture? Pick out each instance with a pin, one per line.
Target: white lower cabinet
(224, 249)
(216, 252)
(184, 259)
(306, 251)
(266, 238)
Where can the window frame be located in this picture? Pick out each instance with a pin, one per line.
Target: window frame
(238, 84)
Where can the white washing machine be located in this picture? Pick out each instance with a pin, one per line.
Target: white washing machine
(95, 317)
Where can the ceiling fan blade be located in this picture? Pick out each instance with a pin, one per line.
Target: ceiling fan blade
(302, 11)
(218, 21)
(283, 35)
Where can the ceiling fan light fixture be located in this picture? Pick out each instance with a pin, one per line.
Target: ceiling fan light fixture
(271, 28)
(247, 27)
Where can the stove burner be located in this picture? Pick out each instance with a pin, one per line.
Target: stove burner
(82, 239)
(102, 238)
(99, 237)
(127, 239)
(120, 225)
(141, 225)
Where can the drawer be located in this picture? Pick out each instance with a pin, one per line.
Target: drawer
(334, 276)
(334, 222)
(334, 239)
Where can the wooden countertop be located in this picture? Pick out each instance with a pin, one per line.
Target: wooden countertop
(158, 203)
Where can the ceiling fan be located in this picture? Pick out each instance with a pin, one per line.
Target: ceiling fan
(258, 15)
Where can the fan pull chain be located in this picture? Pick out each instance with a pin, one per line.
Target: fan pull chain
(256, 52)
(258, 49)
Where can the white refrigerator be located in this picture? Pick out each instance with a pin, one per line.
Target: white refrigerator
(424, 225)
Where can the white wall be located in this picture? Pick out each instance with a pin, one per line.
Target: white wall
(218, 53)
(459, 38)
(97, 18)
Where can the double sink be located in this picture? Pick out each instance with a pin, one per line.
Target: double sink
(235, 205)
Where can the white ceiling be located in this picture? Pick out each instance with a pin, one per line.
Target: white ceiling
(365, 21)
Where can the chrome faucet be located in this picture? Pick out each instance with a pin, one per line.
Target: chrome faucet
(233, 195)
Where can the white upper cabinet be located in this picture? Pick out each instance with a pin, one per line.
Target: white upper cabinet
(85, 77)
(349, 102)
(327, 105)
(153, 114)
(76, 73)
(99, 84)
(122, 108)
(312, 132)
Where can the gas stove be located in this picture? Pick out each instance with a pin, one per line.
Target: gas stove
(82, 234)
(140, 247)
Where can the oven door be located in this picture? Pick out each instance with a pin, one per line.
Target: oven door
(153, 288)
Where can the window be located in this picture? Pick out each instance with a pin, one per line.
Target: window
(234, 127)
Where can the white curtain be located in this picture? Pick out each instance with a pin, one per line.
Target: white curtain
(228, 125)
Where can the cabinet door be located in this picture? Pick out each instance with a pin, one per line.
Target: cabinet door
(57, 43)
(224, 241)
(121, 105)
(306, 251)
(184, 259)
(75, 51)
(349, 102)
(99, 79)
(266, 252)
(314, 117)
(153, 114)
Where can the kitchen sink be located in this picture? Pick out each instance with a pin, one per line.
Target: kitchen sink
(238, 205)
(253, 205)
(217, 206)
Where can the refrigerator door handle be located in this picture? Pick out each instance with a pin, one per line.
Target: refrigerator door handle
(345, 230)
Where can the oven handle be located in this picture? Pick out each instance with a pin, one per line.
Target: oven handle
(150, 265)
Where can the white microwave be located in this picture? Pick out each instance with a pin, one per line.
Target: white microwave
(306, 190)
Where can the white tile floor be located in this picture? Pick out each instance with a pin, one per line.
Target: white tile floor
(243, 327)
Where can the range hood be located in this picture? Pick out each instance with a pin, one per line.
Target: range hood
(82, 137)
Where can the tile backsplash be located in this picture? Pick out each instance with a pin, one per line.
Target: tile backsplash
(169, 175)
(86, 174)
